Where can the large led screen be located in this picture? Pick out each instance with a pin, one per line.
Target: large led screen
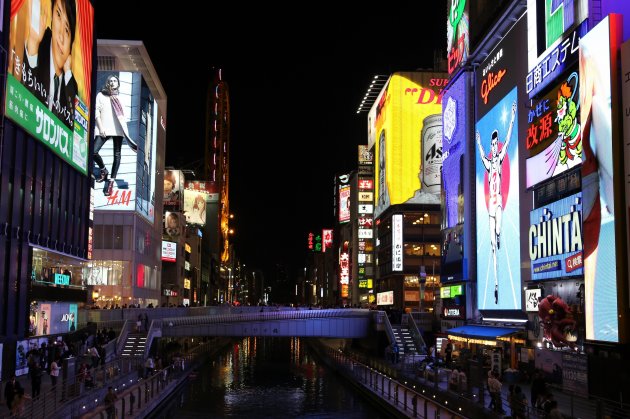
(125, 163)
(197, 195)
(555, 239)
(49, 74)
(600, 264)
(498, 264)
(454, 119)
(408, 135)
(500, 99)
(553, 138)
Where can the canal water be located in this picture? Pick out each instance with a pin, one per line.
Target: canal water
(267, 378)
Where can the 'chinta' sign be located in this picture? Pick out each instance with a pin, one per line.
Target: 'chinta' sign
(555, 239)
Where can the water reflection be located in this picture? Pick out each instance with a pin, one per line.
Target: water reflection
(271, 378)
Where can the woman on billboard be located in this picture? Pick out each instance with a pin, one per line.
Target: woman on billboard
(110, 125)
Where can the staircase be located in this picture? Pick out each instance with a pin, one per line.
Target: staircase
(135, 344)
(405, 342)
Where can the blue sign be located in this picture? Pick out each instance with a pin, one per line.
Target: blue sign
(555, 239)
(61, 279)
(559, 59)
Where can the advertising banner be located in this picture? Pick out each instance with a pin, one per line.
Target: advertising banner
(498, 275)
(21, 358)
(555, 239)
(457, 34)
(197, 195)
(575, 373)
(598, 58)
(125, 162)
(553, 139)
(408, 130)
(173, 225)
(385, 298)
(397, 243)
(531, 299)
(327, 239)
(49, 74)
(174, 182)
(344, 203)
(169, 251)
(454, 132)
(499, 98)
(452, 267)
(554, 29)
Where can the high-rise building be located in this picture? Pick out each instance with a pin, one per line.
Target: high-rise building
(128, 246)
(44, 186)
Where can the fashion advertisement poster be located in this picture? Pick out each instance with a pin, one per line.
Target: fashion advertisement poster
(21, 358)
(173, 225)
(49, 74)
(173, 188)
(125, 141)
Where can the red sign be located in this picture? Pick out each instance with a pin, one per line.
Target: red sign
(328, 239)
(366, 184)
(574, 262)
(366, 222)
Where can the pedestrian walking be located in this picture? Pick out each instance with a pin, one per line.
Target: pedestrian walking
(54, 371)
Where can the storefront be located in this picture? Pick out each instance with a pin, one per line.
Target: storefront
(497, 346)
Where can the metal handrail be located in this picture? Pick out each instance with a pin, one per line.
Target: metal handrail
(421, 346)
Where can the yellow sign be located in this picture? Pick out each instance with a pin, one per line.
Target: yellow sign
(188, 248)
(400, 115)
(187, 284)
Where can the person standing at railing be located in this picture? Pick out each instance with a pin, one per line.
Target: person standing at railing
(54, 371)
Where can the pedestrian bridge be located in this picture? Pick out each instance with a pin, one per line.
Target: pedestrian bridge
(329, 323)
(239, 322)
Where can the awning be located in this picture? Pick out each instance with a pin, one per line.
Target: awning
(485, 335)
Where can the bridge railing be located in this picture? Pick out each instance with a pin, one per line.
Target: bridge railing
(264, 316)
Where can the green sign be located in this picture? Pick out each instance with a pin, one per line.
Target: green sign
(456, 290)
(26, 110)
(445, 292)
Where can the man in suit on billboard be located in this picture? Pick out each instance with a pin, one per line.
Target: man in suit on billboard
(48, 58)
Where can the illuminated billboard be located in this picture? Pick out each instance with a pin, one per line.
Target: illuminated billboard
(553, 138)
(397, 243)
(385, 298)
(169, 251)
(499, 101)
(173, 225)
(327, 239)
(344, 203)
(452, 266)
(197, 195)
(554, 29)
(49, 74)
(555, 239)
(457, 34)
(598, 49)
(173, 187)
(407, 124)
(454, 132)
(125, 163)
(498, 264)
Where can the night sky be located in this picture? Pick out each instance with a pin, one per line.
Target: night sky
(296, 77)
